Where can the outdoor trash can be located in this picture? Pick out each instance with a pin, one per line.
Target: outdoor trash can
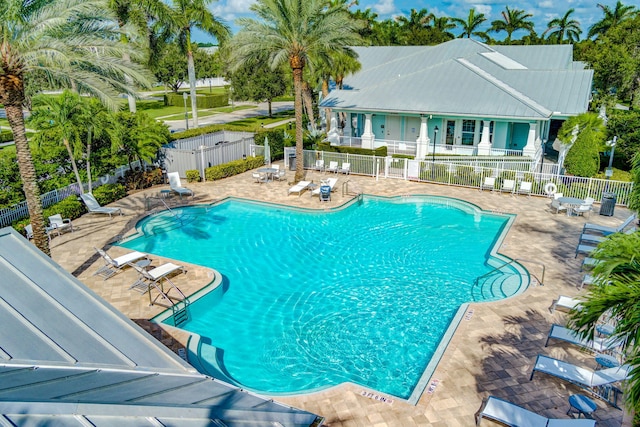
(325, 193)
(292, 162)
(608, 204)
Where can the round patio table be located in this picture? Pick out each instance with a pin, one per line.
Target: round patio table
(269, 172)
(571, 202)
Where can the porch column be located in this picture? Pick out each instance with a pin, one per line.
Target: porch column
(530, 148)
(484, 146)
(423, 141)
(333, 136)
(347, 124)
(368, 136)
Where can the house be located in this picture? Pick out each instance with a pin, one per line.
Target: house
(470, 97)
(67, 358)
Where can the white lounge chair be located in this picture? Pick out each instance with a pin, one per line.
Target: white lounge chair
(599, 383)
(510, 414)
(176, 186)
(113, 265)
(488, 184)
(603, 229)
(333, 167)
(331, 182)
(525, 188)
(94, 207)
(59, 224)
(597, 344)
(508, 185)
(345, 168)
(565, 303)
(152, 278)
(319, 165)
(300, 187)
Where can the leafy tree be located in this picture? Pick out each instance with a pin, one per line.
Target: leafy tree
(66, 115)
(583, 159)
(611, 18)
(171, 67)
(78, 29)
(96, 122)
(297, 32)
(512, 21)
(188, 14)
(558, 28)
(257, 82)
(10, 183)
(471, 25)
(625, 125)
(368, 20)
(634, 197)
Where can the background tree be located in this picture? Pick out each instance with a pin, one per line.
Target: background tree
(171, 67)
(78, 29)
(295, 32)
(440, 31)
(559, 28)
(188, 14)
(611, 18)
(583, 159)
(512, 20)
(257, 82)
(625, 125)
(414, 29)
(471, 25)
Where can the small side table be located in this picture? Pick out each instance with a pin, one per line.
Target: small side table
(165, 193)
(606, 361)
(312, 187)
(582, 405)
(144, 263)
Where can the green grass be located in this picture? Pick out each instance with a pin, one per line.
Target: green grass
(157, 110)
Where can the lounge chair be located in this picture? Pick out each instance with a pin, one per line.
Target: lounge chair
(589, 263)
(525, 188)
(176, 186)
(319, 165)
(584, 248)
(299, 187)
(566, 303)
(113, 265)
(597, 344)
(488, 184)
(599, 383)
(603, 229)
(508, 185)
(94, 207)
(59, 224)
(510, 414)
(345, 168)
(333, 167)
(153, 278)
(331, 182)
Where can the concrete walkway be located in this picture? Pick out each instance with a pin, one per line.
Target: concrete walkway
(491, 353)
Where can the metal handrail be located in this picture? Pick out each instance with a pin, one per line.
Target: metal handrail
(541, 280)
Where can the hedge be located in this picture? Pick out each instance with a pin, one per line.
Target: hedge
(109, 193)
(202, 101)
(6, 136)
(232, 168)
(193, 175)
(326, 146)
(205, 130)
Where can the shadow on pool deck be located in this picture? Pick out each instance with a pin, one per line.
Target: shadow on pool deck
(492, 352)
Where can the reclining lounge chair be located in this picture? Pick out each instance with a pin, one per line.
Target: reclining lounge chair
(299, 187)
(176, 186)
(598, 344)
(94, 207)
(113, 265)
(510, 414)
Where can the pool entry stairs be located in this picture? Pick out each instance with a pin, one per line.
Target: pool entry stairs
(169, 219)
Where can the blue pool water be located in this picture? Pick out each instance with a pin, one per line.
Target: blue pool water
(312, 299)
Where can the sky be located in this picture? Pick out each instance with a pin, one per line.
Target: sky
(586, 11)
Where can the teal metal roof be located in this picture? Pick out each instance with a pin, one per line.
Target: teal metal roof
(466, 78)
(67, 357)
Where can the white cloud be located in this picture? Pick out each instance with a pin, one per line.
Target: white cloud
(483, 8)
(547, 4)
(231, 9)
(384, 7)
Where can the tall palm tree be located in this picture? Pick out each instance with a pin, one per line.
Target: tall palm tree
(297, 32)
(71, 42)
(96, 121)
(414, 28)
(471, 25)
(65, 116)
(441, 29)
(611, 18)
(188, 14)
(512, 21)
(558, 28)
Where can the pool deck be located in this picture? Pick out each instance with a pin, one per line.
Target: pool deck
(492, 351)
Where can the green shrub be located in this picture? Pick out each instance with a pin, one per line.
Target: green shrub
(109, 193)
(583, 159)
(6, 136)
(193, 175)
(403, 156)
(326, 146)
(70, 207)
(137, 178)
(276, 142)
(232, 168)
(202, 101)
(205, 130)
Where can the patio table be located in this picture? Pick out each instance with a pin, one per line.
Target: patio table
(570, 202)
(269, 172)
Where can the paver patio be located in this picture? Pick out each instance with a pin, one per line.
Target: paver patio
(492, 351)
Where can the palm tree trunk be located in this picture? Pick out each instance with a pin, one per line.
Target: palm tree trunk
(297, 106)
(89, 137)
(327, 111)
(307, 97)
(27, 171)
(65, 141)
(191, 70)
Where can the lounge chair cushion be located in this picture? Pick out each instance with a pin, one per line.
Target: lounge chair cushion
(513, 415)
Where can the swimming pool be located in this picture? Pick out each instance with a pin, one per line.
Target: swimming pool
(367, 294)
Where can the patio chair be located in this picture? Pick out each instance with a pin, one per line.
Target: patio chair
(597, 344)
(565, 302)
(488, 184)
(606, 230)
(331, 182)
(345, 169)
(555, 203)
(525, 188)
(319, 165)
(94, 207)
(148, 279)
(510, 414)
(585, 208)
(28, 230)
(260, 178)
(176, 186)
(508, 185)
(59, 224)
(299, 187)
(113, 265)
(280, 175)
(333, 167)
(599, 383)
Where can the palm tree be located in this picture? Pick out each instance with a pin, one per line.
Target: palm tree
(188, 14)
(612, 17)
(441, 30)
(72, 43)
(96, 120)
(64, 116)
(558, 28)
(512, 21)
(297, 32)
(471, 24)
(414, 28)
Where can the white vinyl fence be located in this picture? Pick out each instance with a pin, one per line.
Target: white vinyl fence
(467, 175)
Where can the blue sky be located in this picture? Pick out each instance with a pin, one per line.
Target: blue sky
(586, 11)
